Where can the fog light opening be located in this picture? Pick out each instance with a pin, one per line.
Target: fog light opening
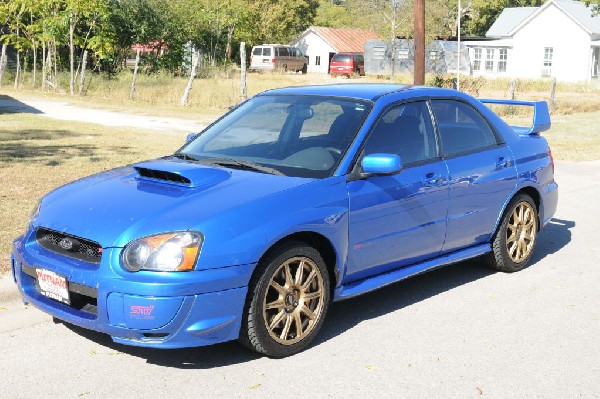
(155, 335)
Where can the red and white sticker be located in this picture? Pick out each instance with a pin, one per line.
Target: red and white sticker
(53, 285)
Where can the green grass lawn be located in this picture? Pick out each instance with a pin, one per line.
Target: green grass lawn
(38, 154)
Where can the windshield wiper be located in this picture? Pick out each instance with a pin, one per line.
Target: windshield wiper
(245, 165)
(185, 157)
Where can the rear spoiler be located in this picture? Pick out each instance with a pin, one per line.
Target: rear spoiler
(541, 115)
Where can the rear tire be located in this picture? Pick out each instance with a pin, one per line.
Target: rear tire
(287, 302)
(304, 69)
(516, 237)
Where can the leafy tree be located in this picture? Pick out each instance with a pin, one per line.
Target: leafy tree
(272, 21)
(334, 14)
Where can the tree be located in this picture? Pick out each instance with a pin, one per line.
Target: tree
(85, 19)
(334, 14)
(273, 21)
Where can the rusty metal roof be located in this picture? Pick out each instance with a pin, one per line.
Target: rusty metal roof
(344, 40)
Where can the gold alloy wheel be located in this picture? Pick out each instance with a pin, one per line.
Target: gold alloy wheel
(294, 300)
(521, 232)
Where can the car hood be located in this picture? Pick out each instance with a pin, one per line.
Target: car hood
(119, 205)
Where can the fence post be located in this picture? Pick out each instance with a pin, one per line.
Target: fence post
(511, 89)
(552, 92)
(194, 67)
(243, 70)
(135, 72)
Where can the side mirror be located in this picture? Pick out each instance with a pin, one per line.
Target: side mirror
(190, 137)
(381, 164)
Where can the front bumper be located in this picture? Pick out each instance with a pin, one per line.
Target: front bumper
(161, 310)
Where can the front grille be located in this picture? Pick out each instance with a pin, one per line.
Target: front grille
(68, 245)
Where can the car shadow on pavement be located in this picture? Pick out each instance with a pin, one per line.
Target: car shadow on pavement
(10, 105)
(554, 236)
(343, 315)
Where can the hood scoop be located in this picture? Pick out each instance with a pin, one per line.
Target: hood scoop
(179, 173)
(162, 175)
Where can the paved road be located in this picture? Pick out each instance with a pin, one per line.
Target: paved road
(462, 331)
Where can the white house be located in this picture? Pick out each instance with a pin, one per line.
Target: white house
(560, 39)
(320, 44)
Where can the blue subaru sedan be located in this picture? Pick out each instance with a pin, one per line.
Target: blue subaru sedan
(295, 198)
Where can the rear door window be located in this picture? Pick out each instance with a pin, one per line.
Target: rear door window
(257, 51)
(461, 127)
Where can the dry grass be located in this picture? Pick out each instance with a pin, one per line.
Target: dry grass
(38, 154)
(575, 137)
(216, 90)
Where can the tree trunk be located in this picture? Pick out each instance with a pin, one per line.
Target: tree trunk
(34, 66)
(43, 66)
(228, 49)
(24, 69)
(188, 88)
(243, 72)
(71, 54)
(135, 72)
(18, 69)
(55, 66)
(83, 67)
(2, 62)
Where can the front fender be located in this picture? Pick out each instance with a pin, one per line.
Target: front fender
(242, 235)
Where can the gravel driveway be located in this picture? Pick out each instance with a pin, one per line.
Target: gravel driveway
(68, 112)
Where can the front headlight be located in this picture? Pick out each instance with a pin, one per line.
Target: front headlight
(34, 214)
(168, 252)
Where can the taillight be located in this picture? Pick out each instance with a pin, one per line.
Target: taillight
(272, 60)
(250, 60)
(551, 158)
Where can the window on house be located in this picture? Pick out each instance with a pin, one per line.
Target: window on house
(435, 55)
(476, 59)
(548, 56)
(403, 54)
(489, 60)
(378, 53)
(318, 60)
(547, 69)
(503, 54)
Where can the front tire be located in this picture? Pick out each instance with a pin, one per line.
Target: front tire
(287, 301)
(516, 237)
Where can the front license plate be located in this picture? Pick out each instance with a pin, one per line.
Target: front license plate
(340, 69)
(53, 285)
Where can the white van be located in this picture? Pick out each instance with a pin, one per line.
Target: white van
(277, 57)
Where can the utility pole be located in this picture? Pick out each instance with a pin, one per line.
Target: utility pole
(458, 51)
(419, 39)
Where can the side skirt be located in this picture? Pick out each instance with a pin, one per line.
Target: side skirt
(381, 280)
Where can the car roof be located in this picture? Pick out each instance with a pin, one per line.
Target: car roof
(364, 91)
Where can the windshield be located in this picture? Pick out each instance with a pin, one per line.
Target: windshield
(302, 136)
